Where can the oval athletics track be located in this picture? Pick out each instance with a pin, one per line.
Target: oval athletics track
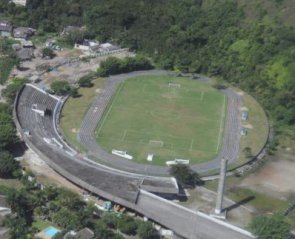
(40, 135)
(86, 136)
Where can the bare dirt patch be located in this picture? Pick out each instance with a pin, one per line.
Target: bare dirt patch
(248, 126)
(275, 178)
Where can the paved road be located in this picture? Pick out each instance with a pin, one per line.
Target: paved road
(230, 145)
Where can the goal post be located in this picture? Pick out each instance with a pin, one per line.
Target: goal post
(156, 143)
(174, 85)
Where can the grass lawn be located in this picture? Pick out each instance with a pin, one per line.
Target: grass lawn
(75, 109)
(170, 117)
(11, 183)
(41, 224)
(257, 125)
(6, 65)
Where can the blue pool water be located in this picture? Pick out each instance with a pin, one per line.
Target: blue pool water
(50, 231)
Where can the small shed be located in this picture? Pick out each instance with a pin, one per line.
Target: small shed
(245, 115)
(5, 28)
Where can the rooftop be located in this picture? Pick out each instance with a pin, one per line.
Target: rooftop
(5, 25)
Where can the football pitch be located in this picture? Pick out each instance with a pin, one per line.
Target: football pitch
(169, 117)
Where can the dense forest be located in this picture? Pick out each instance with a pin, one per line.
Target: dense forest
(250, 45)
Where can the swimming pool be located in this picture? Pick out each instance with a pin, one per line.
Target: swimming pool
(50, 231)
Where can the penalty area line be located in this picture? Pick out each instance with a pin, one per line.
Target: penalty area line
(191, 146)
(124, 135)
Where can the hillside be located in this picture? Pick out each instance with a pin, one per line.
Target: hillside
(246, 43)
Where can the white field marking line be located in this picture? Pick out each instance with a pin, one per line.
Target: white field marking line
(118, 108)
(192, 144)
(202, 95)
(124, 135)
(143, 88)
(144, 143)
(107, 114)
(221, 124)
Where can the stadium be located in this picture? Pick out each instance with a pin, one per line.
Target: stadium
(134, 185)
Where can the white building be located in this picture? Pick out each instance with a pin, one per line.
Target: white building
(20, 2)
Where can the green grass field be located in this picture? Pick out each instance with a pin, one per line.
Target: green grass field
(168, 116)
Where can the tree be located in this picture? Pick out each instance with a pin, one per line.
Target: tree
(85, 81)
(127, 225)
(111, 220)
(270, 227)
(185, 176)
(66, 219)
(102, 232)
(11, 90)
(61, 87)
(47, 52)
(7, 130)
(111, 65)
(7, 164)
(20, 203)
(146, 230)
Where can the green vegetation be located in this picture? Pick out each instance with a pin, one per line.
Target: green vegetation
(86, 81)
(75, 109)
(170, 117)
(247, 43)
(274, 227)
(47, 52)
(8, 59)
(185, 176)
(8, 166)
(62, 88)
(113, 65)
(12, 89)
(258, 127)
(34, 209)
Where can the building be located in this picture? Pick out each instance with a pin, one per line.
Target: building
(87, 45)
(108, 47)
(23, 32)
(26, 44)
(20, 2)
(5, 28)
(70, 29)
(85, 233)
(25, 54)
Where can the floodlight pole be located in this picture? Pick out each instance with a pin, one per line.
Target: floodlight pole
(223, 169)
